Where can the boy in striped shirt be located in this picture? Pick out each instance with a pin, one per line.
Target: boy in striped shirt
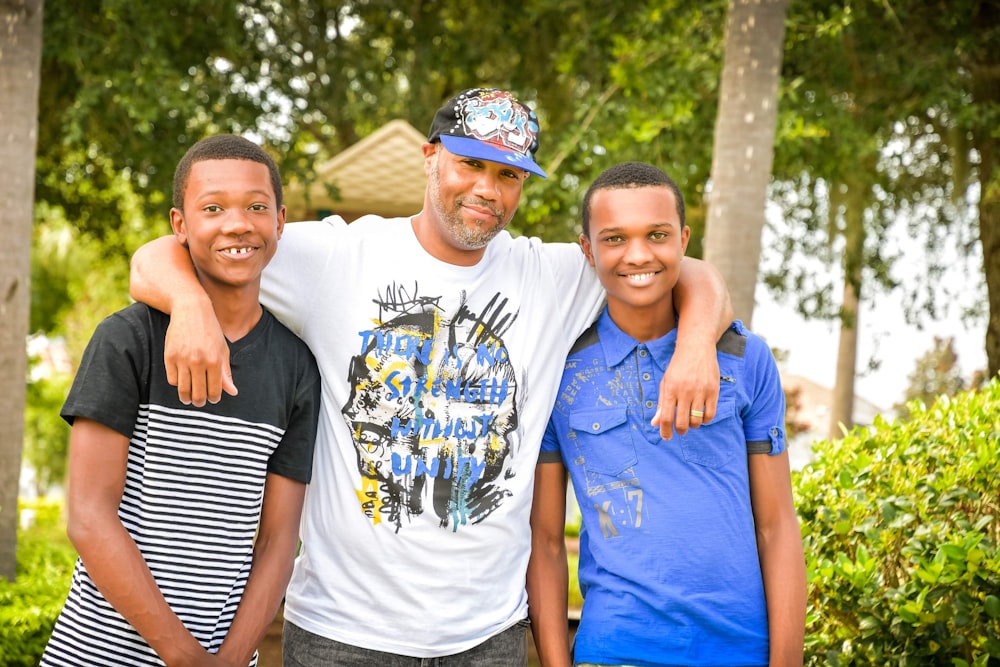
(186, 519)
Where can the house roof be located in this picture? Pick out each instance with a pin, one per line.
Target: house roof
(383, 174)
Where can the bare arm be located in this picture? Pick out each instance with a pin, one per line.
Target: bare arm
(782, 564)
(196, 354)
(548, 577)
(691, 381)
(97, 460)
(273, 556)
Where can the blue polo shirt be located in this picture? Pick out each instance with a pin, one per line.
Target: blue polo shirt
(668, 553)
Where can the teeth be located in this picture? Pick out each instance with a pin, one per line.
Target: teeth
(640, 277)
(238, 251)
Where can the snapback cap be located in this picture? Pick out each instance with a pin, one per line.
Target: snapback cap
(489, 124)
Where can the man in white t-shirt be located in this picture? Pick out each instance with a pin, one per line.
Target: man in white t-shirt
(440, 339)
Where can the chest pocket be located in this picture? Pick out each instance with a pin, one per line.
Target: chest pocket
(717, 442)
(603, 440)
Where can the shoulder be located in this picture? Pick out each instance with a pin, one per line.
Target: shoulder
(587, 339)
(281, 338)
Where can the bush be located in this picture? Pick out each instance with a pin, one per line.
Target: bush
(29, 606)
(900, 528)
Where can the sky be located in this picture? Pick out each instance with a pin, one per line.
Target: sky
(884, 333)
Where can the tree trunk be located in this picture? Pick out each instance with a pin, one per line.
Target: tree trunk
(20, 65)
(986, 89)
(744, 145)
(842, 411)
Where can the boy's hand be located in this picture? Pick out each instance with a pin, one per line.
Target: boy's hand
(689, 389)
(196, 356)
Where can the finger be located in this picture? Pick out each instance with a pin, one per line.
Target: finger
(683, 418)
(213, 385)
(184, 387)
(711, 405)
(666, 412)
(696, 418)
(228, 385)
(199, 386)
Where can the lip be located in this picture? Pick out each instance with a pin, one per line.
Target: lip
(481, 213)
(239, 253)
(639, 278)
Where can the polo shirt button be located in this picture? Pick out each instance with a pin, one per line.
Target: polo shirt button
(649, 404)
(596, 426)
(645, 376)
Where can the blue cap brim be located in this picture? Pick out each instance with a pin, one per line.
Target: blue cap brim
(467, 147)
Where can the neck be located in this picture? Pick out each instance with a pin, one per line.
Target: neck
(644, 324)
(238, 310)
(436, 247)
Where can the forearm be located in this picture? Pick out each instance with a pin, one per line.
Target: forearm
(269, 575)
(548, 590)
(783, 569)
(120, 573)
(702, 302)
(163, 277)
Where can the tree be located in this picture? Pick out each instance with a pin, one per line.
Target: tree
(935, 374)
(744, 145)
(872, 138)
(20, 55)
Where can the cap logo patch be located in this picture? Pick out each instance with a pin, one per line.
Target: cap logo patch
(495, 119)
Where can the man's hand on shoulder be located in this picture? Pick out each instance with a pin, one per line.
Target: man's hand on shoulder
(689, 390)
(196, 354)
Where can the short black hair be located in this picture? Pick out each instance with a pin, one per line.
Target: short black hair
(223, 147)
(631, 175)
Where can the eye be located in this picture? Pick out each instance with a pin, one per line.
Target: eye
(258, 207)
(613, 239)
(658, 236)
(212, 208)
(510, 173)
(475, 164)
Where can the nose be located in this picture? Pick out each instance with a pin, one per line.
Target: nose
(487, 185)
(236, 222)
(637, 251)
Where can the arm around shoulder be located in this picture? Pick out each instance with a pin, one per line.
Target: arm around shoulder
(689, 390)
(196, 354)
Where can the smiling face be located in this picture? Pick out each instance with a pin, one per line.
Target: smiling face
(635, 243)
(468, 202)
(230, 222)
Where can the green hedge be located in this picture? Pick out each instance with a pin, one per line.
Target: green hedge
(29, 606)
(901, 524)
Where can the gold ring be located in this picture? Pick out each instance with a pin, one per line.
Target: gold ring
(698, 413)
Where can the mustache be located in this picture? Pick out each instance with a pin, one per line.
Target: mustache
(482, 203)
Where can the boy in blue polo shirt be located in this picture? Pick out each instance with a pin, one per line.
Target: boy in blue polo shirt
(690, 550)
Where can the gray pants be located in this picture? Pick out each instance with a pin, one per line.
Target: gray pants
(302, 648)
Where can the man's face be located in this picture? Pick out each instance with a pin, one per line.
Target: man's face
(636, 244)
(231, 222)
(472, 199)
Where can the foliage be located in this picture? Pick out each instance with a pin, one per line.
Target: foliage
(901, 531)
(936, 373)
(46, 434)
(29, 607)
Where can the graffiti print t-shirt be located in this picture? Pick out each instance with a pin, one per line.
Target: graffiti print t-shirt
(438, 381)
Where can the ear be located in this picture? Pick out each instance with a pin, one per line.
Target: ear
(282, 214)
(685, 237)
(588, 251)
(179, 226)
(430, 150)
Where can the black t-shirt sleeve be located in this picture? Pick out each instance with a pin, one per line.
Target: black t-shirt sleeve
(113, 378)
(293, 458)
